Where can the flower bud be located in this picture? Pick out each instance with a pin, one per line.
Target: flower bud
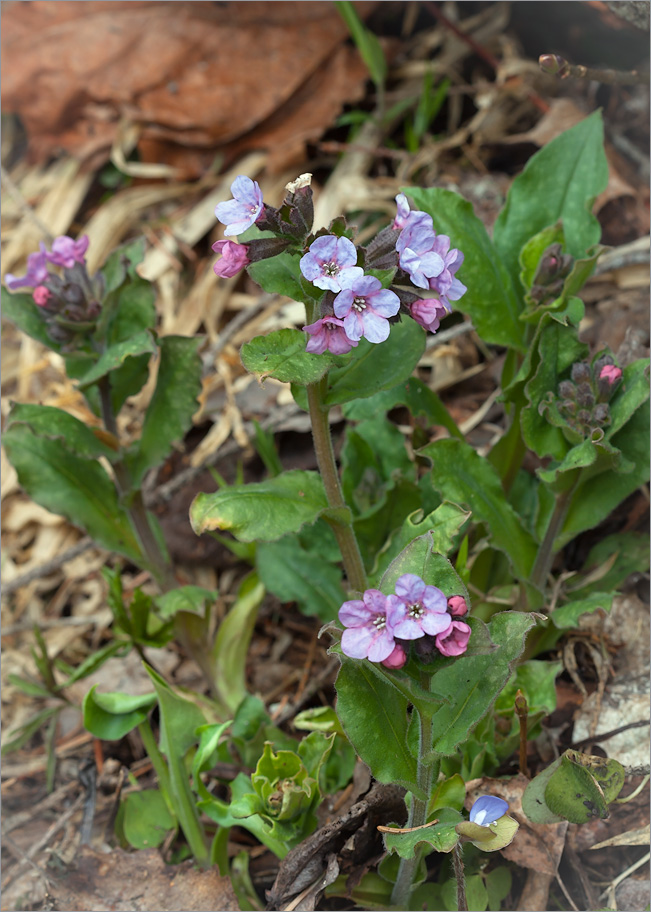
(585, 396)
(581, 372)
(554, 65)
(567, 390)
(41, 295)
(457, 606)
(601, 414)
(397, 658)
(610, 373)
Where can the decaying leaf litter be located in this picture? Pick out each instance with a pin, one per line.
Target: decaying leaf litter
(56, 177)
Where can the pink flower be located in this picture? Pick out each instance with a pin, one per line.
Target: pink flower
(457, 606)
(66, 252)
(41, 295)
(417, 609)
(328, 334)
(454, 641)
(234, 257)
(397, 658)
(36, 271)
(369, 634)
(244, 209)
(610, 373)
(429, 313)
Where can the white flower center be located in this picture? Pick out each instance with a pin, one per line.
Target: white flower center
(330, 269)
(380, 622)
(416, 611)
(359, 304)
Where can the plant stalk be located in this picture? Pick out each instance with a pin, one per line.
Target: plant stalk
(545, 556)
(457, 863)
(426, 773)
(325, 457)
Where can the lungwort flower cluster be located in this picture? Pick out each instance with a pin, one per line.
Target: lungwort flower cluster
(380, 627)
(355, 303)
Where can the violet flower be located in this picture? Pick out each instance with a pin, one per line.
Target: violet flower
(37, 272)
(364, 306)
(429, 312)
(610, 373)
(244, 209)
(418, 609)
(487, 810)
(406, 216)
(369, 633)
(454, 640)
(446, 285)
(429, 261)
(234, 257)
(328, 259)
(457, 606)
(328, 334)
(66, 252)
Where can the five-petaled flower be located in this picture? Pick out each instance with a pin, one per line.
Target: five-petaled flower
(418, 609)
(369, 633)
(364, 306)
(328, 334)
(66, 251)
(454, 640)
(37, 271)
(244, 209)
(234, 257)
(328, 260)
(487, 810)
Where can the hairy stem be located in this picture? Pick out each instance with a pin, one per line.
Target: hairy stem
(426, 773)
(457, 863)
(325, 457)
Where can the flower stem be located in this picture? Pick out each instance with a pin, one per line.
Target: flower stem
(325, 457)
(426, 773)
(545, 556)
(457, 863)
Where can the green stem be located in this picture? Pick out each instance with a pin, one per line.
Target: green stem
(158, 762)
(457, 863)
(426, 773)
(325, 457)
(545, 556)
(133, 501)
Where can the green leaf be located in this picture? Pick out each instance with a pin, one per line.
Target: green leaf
(531, 253)
(610, 562)
(175, 400)
(436, 837)
(443, 523)
(280, 275)
(450, 793)
(281, 354)
(21, 309)
(146, 820)
(492, 299)
(295, 575)
(419, 557)
(367, 43)
(264, 511)
(573, 794)
(231, 645)
(76, 488)
(464, 477)
(53, 423)
(210, 736)
(559, 183)
(609, 774)
(500, 834)
(95, 660)
(498, 886)
(115, 356)
(192, 599)
(472, 683)
(111, 715)
(18, 737)
(567, 616)
(121, 262)
(371, 368)
(633, 393)
(374, 716)
(415, 395)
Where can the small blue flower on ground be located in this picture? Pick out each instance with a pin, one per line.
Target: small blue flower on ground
(328, 260)
(244, 209)
(487, 810)
(369, 634)
(417, 609)
(364, 306)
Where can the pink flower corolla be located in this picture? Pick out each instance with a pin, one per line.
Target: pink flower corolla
(610, 373)
(234, 257)
(244, 209)
(66, 252)
(369, 633)
(405, 215)
(37, 272)
(328, 334)
(418, 609)
(365, 306)
(457, 606)
(328, 260)
(41, 295)
(397, 659)
(454, 641)
(429, 312)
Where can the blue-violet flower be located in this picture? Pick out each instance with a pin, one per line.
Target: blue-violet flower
(244, 209)
(37, 271)
(417, 609)
(487, 810)
(406, 216)
(364, 306)
(369, 633)
(327, 260)
(66, 251)
(328, 334)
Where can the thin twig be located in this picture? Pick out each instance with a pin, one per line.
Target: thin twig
(597, 739)
(27, 210)
(554, 65)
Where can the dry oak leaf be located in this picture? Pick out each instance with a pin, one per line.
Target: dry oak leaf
(202, 73)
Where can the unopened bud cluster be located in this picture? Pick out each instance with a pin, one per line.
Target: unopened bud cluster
(583, 400)
(355, 303)
(69, 301)
(553, 268)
